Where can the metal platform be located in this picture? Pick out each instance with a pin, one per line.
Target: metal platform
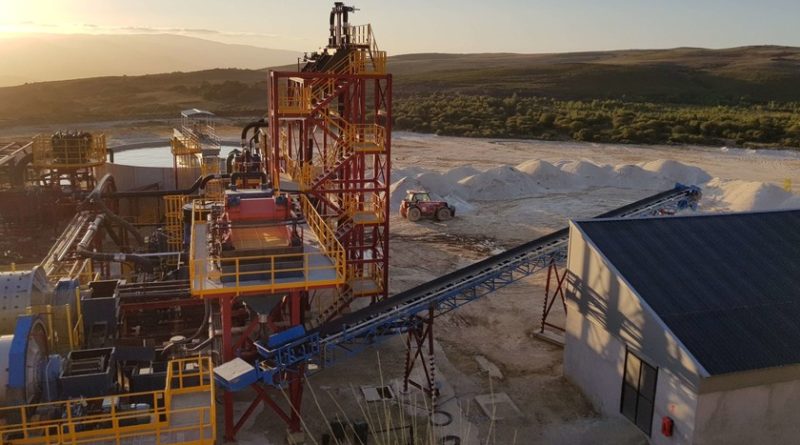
(181, 414)
(317, 270)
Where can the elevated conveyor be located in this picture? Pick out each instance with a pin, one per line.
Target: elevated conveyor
(320, 347)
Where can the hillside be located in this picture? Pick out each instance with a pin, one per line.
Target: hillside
(48, 57)
(681, 75)
(688, 76)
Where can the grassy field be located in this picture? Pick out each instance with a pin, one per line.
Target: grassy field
(743, 95)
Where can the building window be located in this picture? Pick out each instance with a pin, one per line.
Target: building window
(638, 392)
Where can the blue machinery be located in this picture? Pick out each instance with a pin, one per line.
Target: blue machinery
(412, 311)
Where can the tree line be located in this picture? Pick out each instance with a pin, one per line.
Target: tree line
(768, 125)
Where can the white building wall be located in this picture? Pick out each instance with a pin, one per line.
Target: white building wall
(128, 177)
(603, 317)
(676, 400)
(766, 414)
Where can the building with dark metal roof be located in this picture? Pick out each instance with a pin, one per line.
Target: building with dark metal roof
(693, 322)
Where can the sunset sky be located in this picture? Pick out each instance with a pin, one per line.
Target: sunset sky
(423, 26)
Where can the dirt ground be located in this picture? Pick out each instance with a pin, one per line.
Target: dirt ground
(501, 327)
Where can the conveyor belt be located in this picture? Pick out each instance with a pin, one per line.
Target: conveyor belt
(11, 154)
(352, 332)
(552, 244)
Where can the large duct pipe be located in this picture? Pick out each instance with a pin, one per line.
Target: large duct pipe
(95, 198)
(345, 27)
(332, 38)
(200, 183)
(83, 249)
(261, 123)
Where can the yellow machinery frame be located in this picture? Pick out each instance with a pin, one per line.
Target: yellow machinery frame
(201, 269)
(81, 155)
(184, 376)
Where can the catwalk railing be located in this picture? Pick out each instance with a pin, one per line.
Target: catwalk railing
(154, 417)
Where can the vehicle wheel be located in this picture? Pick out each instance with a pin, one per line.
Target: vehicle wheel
(444, 214)
(413, 214)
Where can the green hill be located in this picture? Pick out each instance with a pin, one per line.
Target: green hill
(674, 80)
(683, 75)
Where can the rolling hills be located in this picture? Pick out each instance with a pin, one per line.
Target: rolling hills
(691, 76)
(48, 57)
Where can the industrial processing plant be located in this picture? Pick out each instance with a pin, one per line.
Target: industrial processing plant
(208, 287)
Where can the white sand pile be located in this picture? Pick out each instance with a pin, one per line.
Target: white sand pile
(589, 174)
(459, 173)
(547, 174)
(740, 196)
(463, 185)
(676, 172)
(499, 183)
(462, 207)
(397, 191)
(438, 183)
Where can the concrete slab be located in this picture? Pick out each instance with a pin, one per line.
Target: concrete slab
(497, 406)
(377, 393)
(551, 337)
(489, 367)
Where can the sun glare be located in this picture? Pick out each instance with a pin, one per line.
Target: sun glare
(42, 16)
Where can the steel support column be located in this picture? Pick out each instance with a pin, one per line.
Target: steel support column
(419, 347)
(556, 282)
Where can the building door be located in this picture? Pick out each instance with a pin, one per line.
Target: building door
(638, 391)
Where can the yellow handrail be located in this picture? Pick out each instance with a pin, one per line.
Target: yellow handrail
(327, 237)
(151, 424)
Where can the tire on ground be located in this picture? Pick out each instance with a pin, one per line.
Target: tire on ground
(413, 214)
(444, 214)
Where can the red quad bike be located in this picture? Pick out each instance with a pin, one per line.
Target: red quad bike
(418, 204)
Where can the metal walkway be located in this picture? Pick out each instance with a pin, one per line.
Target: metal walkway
(12, 153)
(351, 333)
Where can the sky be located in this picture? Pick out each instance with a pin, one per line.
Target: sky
(409, 26)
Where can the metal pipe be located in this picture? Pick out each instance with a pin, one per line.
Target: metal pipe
(83, 249)
(261, 123)
(200, 183)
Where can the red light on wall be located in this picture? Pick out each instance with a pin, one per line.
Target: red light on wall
(667, 426)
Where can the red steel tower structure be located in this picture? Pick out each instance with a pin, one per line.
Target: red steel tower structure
(330, 139)
(325, 153)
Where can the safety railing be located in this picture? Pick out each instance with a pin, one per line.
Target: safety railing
(213, 275)
(173, 213)
(210, 165)
(266, 273)
(366, 212)
(125, 419)
(303, 173)
(372, 272)
(326, 235)
(69, 150)
(368, 138)
(214, 190)
(363, 62)
(362, 35)
(182, 144)
(294, 97)
(188, 374)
